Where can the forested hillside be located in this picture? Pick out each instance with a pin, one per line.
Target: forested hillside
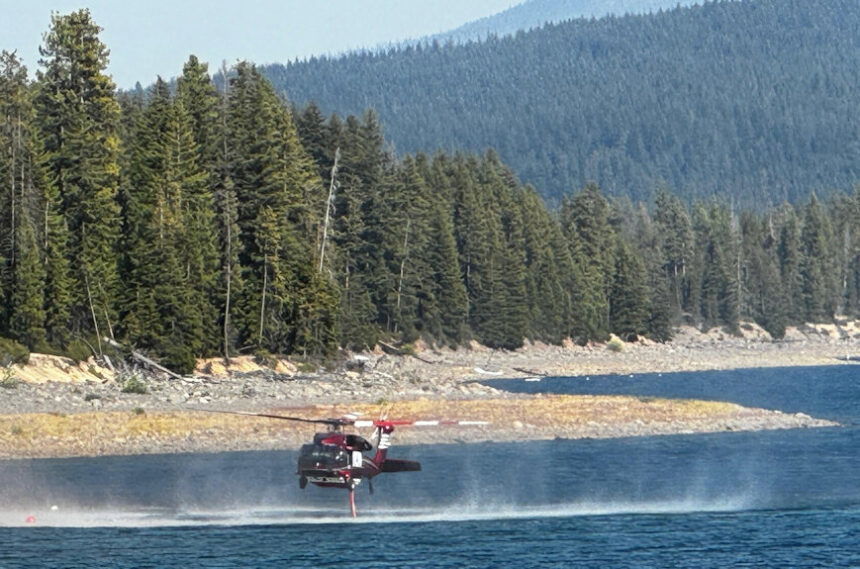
(753, 100)
(204, 221)
(535, 13)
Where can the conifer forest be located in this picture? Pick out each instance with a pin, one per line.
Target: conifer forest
(748, 99)
(207, 218)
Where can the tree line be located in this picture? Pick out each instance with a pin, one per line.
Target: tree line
(535, 13)
(751, 99)
(199, 221)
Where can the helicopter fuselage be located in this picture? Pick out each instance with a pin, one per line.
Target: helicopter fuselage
(337, 460)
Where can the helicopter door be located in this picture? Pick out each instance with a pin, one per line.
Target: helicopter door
(357, 458)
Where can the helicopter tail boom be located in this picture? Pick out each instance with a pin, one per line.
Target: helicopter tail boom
(397, 465)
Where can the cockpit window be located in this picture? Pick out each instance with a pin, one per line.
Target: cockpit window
(323, 456)
(358, 443)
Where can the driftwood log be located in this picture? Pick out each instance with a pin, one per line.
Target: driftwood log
(397, 351)
(530, 371)
(144, 360)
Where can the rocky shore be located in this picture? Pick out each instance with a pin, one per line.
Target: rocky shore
(54, 407)
(531, 418)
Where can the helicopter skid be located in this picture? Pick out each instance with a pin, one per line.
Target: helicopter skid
(334, 481)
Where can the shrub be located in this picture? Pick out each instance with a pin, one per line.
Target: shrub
(92, 396)
(78, 350)
(179, 359)
(138, 411)
(615, 344)
(8, 380)
(265, 358)
(134, 385)
(11, 352)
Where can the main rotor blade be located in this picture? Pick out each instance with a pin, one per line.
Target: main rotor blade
(333, 422)
(404, 423)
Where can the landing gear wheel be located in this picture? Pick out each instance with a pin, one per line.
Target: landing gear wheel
(303, 481)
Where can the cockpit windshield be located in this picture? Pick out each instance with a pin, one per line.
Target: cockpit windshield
(322, 456)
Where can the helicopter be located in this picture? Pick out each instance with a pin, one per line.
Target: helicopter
(336, 459)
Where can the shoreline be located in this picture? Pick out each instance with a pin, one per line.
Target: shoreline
(52, 393)
(535, 418)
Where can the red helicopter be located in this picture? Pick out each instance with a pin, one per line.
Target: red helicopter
(336, 459)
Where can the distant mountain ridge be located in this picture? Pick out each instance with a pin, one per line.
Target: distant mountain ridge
(751, 99)
(535, 13)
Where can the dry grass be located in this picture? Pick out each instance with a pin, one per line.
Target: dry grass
(85, 434)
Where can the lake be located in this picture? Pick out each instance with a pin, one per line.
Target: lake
(767, 499)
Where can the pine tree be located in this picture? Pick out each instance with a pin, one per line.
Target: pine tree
(27, 319)
(55, 252)
(36, 267)
(766, 291)
(78, 117)
(585, 219)
(360, 269)
(844, 212)
(411, 307)
(547, 296)
(629, 303)
(816, 268)
(790, 259)
(514, 308)
(675, 232)
(647, 243)
(280, 202)
(316, 138)
(445, 280)
(230, 283)
(171, 254)
(197, 95)
(14, 101)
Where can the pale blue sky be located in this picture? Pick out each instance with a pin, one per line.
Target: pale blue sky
(153, 37)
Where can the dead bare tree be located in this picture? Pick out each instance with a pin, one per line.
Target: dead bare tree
(328, 206)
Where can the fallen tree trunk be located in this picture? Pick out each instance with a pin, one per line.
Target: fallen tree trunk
(530, 371)
(397, 351)
(144, 360)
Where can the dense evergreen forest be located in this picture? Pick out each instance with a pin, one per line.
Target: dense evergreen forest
(201, 221)
(535, 13)
(754, 100)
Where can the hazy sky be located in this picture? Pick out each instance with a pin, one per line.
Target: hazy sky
(152, 37)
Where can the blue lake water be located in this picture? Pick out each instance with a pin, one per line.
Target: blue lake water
(769, 499)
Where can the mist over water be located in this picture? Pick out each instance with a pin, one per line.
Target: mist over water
(766, 499)
(459, 482)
